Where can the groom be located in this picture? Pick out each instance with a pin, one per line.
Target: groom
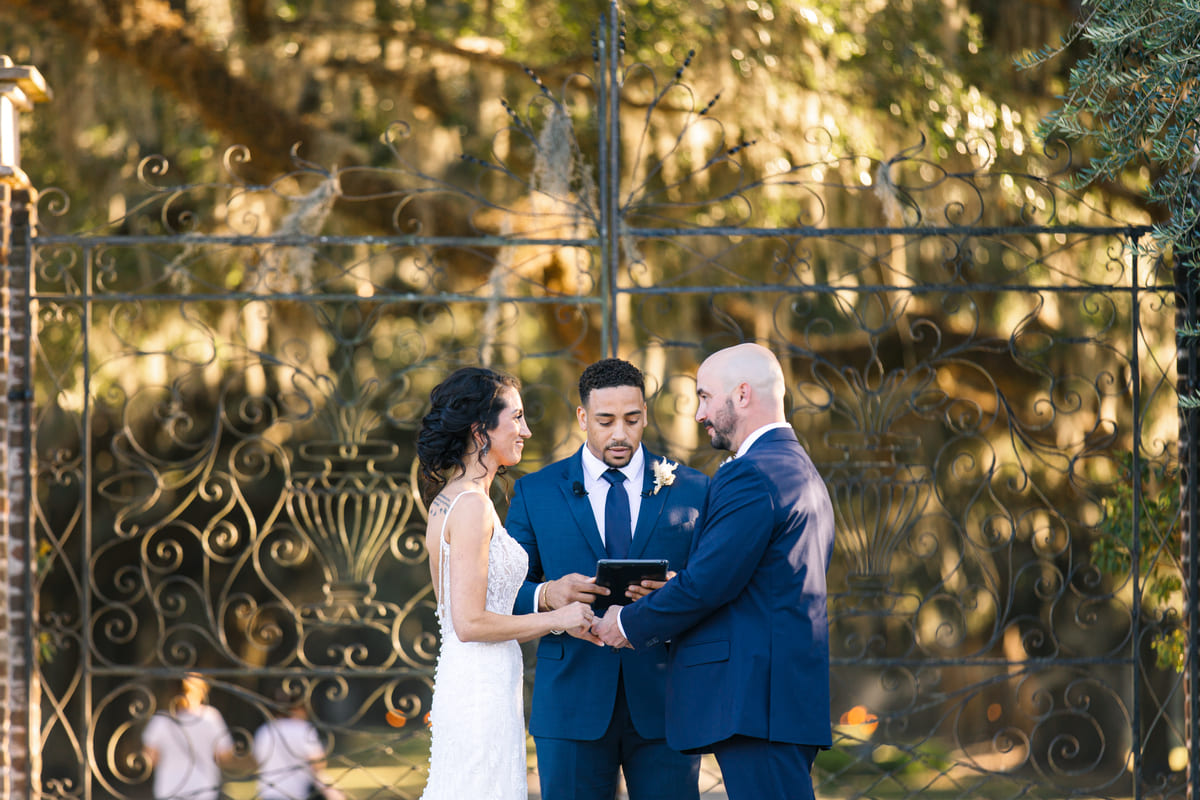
(749, 669)
(599, 710)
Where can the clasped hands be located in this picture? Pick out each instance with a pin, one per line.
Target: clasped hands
(576, 588)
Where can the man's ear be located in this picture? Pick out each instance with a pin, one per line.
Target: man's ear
(743, 393)
(581, 415)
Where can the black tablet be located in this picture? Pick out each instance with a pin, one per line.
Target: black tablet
(618, 573)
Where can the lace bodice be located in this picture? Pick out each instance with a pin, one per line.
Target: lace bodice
(477, 746)
(507, 566)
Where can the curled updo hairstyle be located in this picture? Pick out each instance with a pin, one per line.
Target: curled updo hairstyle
(466, 403)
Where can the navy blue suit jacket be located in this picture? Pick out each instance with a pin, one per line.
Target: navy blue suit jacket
(747, 617)
(575, 684)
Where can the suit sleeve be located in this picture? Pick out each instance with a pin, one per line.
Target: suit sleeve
(520, 527)
(734, 534)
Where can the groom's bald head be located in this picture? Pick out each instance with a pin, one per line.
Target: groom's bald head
(740, 389)
(752, 364)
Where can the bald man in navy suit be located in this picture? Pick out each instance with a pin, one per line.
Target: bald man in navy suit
(748, 664)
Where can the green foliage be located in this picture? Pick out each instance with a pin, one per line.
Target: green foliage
(1158, 539)
(876, 76)
(1132, 100)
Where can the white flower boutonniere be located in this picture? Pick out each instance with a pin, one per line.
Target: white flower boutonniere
(664, 473)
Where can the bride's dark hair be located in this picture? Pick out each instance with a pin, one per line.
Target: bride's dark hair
(466, 403)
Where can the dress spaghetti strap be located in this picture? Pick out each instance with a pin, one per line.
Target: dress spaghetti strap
(446, 519)
(444, 554)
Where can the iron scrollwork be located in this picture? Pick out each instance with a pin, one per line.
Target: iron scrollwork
(225, 405)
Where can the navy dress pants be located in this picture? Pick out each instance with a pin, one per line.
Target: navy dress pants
(573, 769)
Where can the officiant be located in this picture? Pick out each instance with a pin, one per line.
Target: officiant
(597, 712)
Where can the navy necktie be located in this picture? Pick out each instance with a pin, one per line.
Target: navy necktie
(618, 532)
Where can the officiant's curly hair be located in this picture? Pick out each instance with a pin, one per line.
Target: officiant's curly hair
(469, 400)
(608, 373)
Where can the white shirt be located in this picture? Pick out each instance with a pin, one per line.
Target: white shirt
(597, 494)
(597, 487)
(187, 743)
(284, 749)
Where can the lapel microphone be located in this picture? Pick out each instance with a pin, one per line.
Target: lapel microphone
(578, 490)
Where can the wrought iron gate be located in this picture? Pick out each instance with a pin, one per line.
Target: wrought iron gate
(226, 387)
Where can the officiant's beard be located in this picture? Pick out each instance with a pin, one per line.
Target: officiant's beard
(618, 461)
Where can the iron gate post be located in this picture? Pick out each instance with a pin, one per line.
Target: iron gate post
(608, 68)
(20, 88)
(1187, 318)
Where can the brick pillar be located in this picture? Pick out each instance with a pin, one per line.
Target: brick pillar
(14, 518)
(20, 88)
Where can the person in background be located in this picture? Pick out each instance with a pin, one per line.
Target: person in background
(290, 755)
(188, 745)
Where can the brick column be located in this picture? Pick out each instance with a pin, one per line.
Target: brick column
(20, 88)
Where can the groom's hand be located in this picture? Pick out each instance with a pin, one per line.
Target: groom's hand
(638, 591)
(609, 631)
(571, 588)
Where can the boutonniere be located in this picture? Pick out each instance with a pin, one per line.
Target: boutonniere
(664, 473)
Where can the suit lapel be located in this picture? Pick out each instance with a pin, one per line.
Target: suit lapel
(580, 507)
(651, 508)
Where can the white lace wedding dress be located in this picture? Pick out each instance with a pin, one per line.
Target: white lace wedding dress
(477, 747)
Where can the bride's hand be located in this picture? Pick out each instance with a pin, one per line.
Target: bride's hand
(576, 619)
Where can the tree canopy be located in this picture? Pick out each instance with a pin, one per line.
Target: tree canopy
(187, 79)
(1131, 101)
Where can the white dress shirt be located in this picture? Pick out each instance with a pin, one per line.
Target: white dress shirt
(597, 487)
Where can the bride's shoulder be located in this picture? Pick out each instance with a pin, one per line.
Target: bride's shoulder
(456, 497)
(459, 507)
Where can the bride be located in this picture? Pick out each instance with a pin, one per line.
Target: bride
(474, 429)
